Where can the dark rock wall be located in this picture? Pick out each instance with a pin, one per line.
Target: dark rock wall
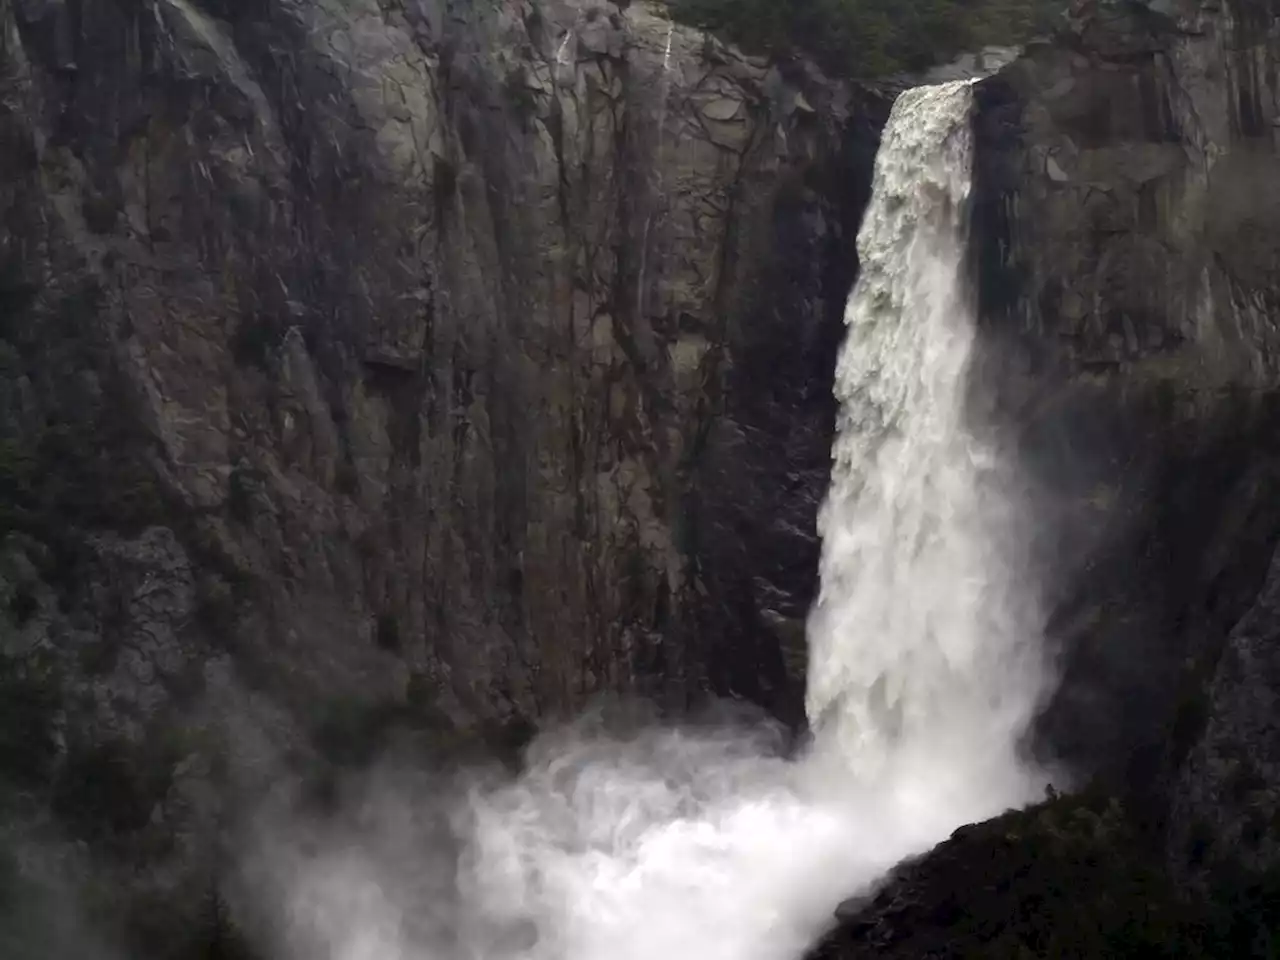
(1226, 823)
(1128, 218)
(370, 364)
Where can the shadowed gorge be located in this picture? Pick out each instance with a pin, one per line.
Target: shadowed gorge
(383, 382)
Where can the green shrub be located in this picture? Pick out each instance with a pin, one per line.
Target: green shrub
(869, 37)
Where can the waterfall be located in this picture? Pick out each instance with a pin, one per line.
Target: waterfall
(924, 655)
(710, 843)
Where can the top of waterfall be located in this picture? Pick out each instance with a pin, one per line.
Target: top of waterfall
(974, 66)
(968, 66)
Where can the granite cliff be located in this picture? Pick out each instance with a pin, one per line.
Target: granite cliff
(425, 366)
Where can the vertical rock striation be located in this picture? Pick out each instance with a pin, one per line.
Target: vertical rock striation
(367, 362)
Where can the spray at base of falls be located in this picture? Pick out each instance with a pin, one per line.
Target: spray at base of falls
(710, 844)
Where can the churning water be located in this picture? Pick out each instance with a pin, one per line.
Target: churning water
(690, 845)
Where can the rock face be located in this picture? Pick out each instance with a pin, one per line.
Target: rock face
(1128, 220)
(1128, 257)
(1227, 805)
(445, 362)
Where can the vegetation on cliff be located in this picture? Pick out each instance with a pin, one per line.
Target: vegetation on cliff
(1076, 876)
(870, 37)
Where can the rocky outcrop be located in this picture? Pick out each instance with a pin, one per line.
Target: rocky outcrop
(1128, 252)
(1227, 804)
(1070, 877)
(380, 363)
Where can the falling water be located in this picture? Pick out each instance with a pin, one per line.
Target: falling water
(924, 654)
(712, 845)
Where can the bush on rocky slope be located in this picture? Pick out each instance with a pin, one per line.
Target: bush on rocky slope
(1076, 876)
(870, 37)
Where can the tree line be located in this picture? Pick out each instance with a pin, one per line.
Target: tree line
(869, 38)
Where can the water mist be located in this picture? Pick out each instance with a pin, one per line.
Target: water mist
(711, 845)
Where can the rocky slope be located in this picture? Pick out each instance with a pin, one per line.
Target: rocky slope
(379, 364)
(1067, 878)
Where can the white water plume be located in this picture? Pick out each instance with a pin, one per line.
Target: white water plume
(925, 661)
(709, 843)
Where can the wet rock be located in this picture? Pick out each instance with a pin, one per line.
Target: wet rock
(1071, 877)
(373, 366)
(1226, 811)
(1127, 265)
